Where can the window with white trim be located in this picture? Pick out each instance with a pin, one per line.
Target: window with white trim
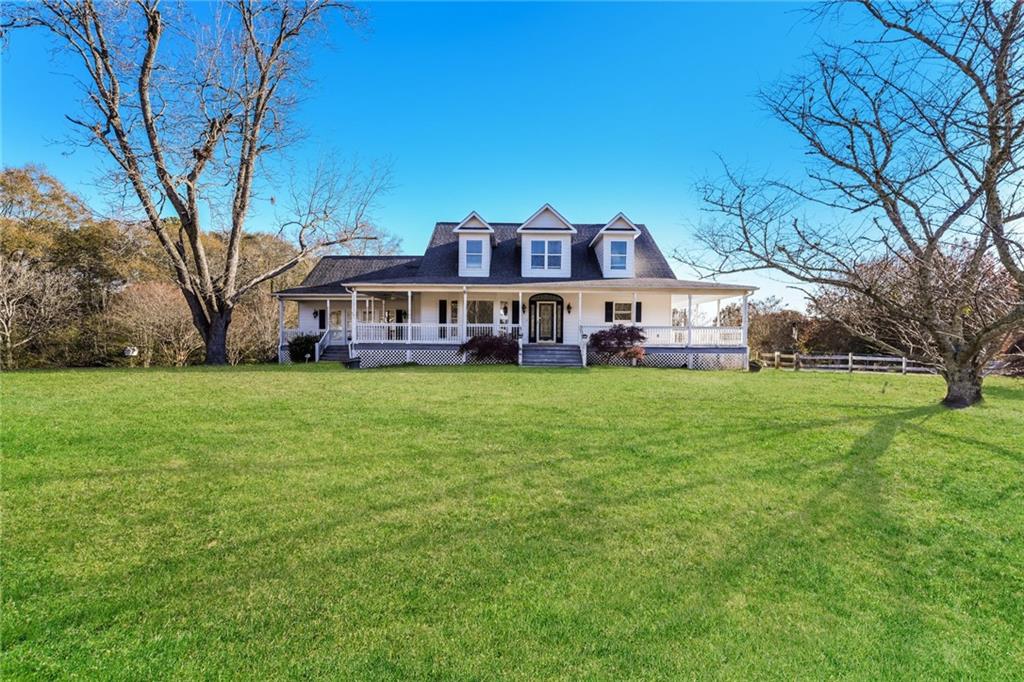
(619, 251)
(546, 254)
(480, 312)
(622, 312)
(474, 254)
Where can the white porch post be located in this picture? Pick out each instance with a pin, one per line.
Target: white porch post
(328, 325)
(354, 311)
(463, 313)
(579, 334)
(689, 320)
(280, 321)
(522, 316)
(718, 312)
(746, 318)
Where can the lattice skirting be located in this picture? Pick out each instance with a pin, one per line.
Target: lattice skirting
(690, 360)
(395, 356)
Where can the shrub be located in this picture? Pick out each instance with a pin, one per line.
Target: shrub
(619, 341)
(301, 346)
(501, 349)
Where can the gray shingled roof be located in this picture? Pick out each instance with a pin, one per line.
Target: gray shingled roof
(331, 272)
(440, 264)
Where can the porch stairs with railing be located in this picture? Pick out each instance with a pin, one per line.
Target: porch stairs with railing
(545, 355)
(335, 353)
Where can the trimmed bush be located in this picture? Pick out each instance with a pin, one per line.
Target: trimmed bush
(619, 341)
(501, 349)
(301, 346)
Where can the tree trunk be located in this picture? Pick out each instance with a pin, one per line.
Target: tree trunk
(963, 385)
(8, 354)
(216, 338)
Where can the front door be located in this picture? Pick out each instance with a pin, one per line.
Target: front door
(545, 322)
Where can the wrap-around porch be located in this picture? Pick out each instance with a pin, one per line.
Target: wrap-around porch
(380, 318)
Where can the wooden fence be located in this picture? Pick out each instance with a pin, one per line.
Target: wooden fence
(848, 362)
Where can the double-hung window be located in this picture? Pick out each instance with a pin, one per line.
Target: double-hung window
(474, 254)
(618, 255)
(546, 254)
(480, 312)
(623, 312)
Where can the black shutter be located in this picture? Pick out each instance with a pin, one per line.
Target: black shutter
(442, 312)
(609, 311)
(639, 307)
(515, 312)
(322, 318)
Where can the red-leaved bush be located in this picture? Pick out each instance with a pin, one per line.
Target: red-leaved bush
(490, 348)
(619, 341)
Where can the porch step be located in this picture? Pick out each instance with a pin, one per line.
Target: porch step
(542, 355)
(334, 353)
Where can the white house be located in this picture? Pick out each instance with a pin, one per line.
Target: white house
(545, 281)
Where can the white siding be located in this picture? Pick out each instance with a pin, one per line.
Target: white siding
(604, 256)
(484, 271)
(564, 271)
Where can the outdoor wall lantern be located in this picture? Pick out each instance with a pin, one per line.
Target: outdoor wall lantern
(524, 308)
(568, 308)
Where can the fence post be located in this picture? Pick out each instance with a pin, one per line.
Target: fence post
(850, 361)
(904, 365)
(777, 361)
(796, 361)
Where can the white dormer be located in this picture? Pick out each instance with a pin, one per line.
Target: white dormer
(615, 248)
(476, 238)
(546, 244)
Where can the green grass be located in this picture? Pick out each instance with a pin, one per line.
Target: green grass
(481, 522)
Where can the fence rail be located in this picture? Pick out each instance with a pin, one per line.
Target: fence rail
(848, 362)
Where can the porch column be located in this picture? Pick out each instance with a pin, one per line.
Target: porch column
(408, 322)
(352, 321)
(718, 312)
(280, 321)
(463, 313)
(328, 325)
(689, 319)
(579, 315)
(522, 316)
(746, 318)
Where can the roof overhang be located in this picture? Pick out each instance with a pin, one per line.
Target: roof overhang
(586, 286)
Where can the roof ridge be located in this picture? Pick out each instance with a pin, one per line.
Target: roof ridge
(369, 255)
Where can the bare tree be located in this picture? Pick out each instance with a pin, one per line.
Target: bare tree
(191, 112)
(34, 299)
(915, 135)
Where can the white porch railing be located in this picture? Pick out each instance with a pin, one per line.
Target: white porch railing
(418, 332)
(682, 336)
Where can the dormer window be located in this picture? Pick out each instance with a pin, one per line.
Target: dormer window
(619, 254)
(546, 254)
(474, 254)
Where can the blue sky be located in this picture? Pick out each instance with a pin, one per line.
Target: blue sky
(498, 108)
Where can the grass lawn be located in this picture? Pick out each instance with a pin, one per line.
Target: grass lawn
(483, 522)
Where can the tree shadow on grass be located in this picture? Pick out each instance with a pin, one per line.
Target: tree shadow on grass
(852, 500)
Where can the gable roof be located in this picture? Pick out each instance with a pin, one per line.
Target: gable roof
(473, 223)
(620, 224)
(533, 223)
(440, 265)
